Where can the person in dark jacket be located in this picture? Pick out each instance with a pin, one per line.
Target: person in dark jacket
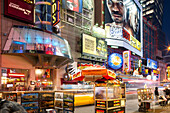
(156, 93)
(167, 93)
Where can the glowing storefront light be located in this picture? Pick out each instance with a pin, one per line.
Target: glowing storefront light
(149, 77)
(38, 71)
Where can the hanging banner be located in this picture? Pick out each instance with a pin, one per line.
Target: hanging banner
(126, 61)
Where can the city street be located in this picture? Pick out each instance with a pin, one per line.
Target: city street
(131, 107)
(85, 56)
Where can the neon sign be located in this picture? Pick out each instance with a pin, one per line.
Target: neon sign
(55, 7)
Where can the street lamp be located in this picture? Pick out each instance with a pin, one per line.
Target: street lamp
(169, 48)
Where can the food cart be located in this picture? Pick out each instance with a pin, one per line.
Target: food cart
(109, 94)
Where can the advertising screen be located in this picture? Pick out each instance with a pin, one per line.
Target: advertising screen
(94, 47)
(125, 15)
(20, 10)
(151, 63)
(73, 5)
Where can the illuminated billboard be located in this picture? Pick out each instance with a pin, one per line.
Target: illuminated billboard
(73, 5)
(123, 22)
(125, 14)
(20, 10)
(115, 61)
(126, 61)
(55, 10)
(92, 46)
(151, 63)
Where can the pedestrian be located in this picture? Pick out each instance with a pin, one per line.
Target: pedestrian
(156, 93)
(167, 93)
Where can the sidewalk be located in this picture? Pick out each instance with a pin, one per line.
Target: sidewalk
(131, 107)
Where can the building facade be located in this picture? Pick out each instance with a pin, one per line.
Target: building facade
(40, 38)
(32, 52)
(149, 40)
(153, 11)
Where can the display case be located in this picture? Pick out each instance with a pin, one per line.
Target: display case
(46, 101)
(110, 98)
(145, 94)
(58, 101)
(30, 102)
(68, 102)
(145, 98)
(10, 96)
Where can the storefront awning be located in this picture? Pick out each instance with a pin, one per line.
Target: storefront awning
(40, 48)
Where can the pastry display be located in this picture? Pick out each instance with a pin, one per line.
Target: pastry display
(29, 97)
(30, 102)
(11, 97)
(68, 97)
(68, 102)
(30, 105)
(46, 100)
(59, 104)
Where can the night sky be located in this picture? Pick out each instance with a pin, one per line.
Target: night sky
(166, 20)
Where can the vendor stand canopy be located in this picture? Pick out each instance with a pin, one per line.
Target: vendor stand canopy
(92, 73)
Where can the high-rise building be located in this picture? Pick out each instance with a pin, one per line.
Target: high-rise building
(149, 40)
(153, 11)
(161, 41)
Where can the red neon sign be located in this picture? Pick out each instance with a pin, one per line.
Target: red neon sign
(16, 75)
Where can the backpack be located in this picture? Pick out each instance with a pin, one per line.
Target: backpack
(10, 107)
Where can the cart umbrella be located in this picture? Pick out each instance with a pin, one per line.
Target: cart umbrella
(94, 73)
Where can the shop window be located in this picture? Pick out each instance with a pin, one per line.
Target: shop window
(14, 79)
(17, 47)
(44, 79)
(43, 13)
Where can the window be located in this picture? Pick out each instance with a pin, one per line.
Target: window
(14, 79)
(82, 20)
